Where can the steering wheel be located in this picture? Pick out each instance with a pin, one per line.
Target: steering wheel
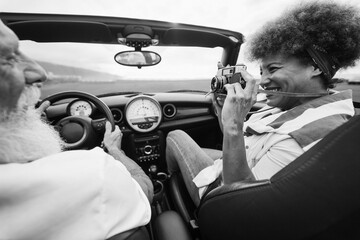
(79, 132)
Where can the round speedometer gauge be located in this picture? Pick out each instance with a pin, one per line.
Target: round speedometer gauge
(143, 113)
(80, 108)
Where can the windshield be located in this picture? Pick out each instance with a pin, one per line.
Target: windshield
(80, 66)
(84, 66)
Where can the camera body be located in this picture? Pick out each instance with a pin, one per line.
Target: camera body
(228, 74)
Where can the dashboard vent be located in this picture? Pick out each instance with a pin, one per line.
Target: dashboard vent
(117, 114)
(169, 110)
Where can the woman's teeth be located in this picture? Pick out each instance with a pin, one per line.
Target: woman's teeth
(273, 89)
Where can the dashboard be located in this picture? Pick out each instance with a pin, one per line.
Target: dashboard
(145, 120)
(142, 113)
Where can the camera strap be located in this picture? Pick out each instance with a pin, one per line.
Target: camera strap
(290, 94)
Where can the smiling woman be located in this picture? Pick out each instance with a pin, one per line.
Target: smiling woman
(281, 73)
(321, 51)
(299, 53)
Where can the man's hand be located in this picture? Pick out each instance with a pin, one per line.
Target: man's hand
(42, 108)
(112, 140)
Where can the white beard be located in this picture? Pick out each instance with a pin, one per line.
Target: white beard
(24, 137)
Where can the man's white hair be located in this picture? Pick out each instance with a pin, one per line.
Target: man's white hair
(24, 136)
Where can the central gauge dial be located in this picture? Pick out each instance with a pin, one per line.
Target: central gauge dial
(80, 108)
(143, 113)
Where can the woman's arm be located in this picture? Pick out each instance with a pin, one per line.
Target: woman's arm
(237, 104)
(216, 99)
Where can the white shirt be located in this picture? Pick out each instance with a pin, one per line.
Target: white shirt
(269, 153)
(71, 195)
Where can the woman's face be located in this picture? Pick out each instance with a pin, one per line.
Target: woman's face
(288, 74)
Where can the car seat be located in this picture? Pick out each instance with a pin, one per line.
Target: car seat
(317, 196)
(140, 233)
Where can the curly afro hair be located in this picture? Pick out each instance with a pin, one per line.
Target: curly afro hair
(334, 27)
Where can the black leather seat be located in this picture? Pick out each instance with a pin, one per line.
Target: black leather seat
(183, 203)
(170, 226)
(317, 196)
(140, 233)
(166, 226)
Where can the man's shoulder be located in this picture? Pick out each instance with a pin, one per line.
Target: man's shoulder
(84, 162)
(68, 171)
(79, 163)
(76, 156)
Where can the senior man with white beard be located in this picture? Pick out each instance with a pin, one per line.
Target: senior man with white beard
(47, 193)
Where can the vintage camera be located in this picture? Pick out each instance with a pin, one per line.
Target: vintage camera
(228, 74)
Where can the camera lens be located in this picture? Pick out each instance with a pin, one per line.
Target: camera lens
(214, 84)
(217, 83)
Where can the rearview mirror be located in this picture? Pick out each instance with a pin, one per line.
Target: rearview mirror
(137, 58)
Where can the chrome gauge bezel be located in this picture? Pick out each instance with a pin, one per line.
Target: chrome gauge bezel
(143, 127)
(78, 102)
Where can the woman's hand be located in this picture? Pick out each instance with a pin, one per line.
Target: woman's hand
(112, 140)
(237, 105)
(217, 102)
(238, 102)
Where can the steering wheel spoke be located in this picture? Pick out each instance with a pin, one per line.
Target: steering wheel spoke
(98, 124)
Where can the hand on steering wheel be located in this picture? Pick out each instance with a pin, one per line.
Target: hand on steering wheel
(42, 108)
(112, 139)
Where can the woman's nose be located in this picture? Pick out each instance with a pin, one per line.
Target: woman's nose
(264, 80)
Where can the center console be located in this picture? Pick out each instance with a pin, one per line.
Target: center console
(147, 150)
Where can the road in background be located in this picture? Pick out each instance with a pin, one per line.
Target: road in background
(354, 87)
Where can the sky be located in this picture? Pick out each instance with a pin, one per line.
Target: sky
(245, 16)
(239, 15)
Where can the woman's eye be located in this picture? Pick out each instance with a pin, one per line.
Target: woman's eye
(272, 69)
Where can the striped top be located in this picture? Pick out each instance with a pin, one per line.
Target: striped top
(274, 138)
(307, 123)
